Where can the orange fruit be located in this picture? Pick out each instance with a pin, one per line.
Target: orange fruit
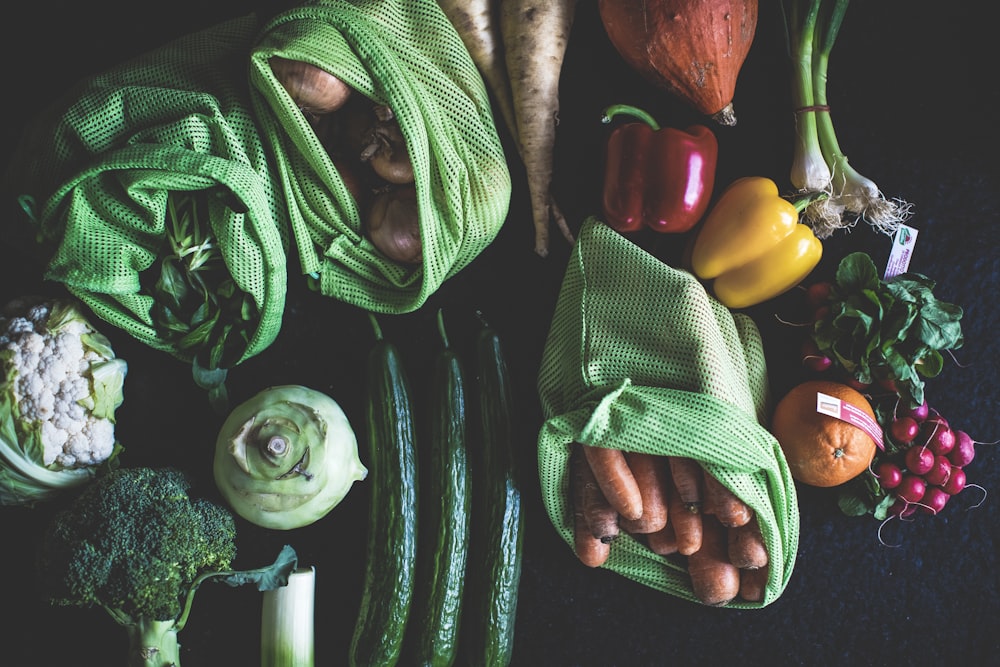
(822, 450)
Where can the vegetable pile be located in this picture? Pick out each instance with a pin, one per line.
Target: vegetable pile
(445, 521)
(433, 515)
(674, 506)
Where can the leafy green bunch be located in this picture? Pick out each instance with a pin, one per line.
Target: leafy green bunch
(198, 306)
(889, 331)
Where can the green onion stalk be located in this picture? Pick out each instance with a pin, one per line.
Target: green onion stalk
(819, 164)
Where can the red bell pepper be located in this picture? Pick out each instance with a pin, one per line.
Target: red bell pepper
(657, 178)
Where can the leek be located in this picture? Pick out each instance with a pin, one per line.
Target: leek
(287, 622)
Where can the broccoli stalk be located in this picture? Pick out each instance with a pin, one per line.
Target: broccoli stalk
(135, 543)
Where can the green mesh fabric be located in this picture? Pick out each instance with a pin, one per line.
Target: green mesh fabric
(407, 55)
(102, 160)
(640, 358)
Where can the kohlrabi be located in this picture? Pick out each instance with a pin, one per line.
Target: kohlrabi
(286, 457)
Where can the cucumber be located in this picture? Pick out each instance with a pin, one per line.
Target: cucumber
(392, 526)
(444, 521)
(497, 541)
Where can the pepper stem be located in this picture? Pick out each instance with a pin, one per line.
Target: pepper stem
(628, 110)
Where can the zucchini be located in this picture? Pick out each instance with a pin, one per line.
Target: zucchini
(497, 540)
(392, 516)
(444, 521)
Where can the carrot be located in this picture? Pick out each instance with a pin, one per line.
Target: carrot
(615, 479)
(476, 22)
(590, 550)
(714, 580)
(686, 521)
(535, 35)
(747, 550)
(688, 479)
(601, 517)
(753, 583)
(723, 503)
(650, 472)
(663, 541)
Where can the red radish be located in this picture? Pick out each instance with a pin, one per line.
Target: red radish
(904, 430)
(812, 358)
(889, 474)
(964, 449)
(933, 501)
(932, 425)
(902, 508)
(956, 481)
(919, 459)
(942, 442)
(888, 384)
(818, 293)
(912, 488)
(821, 314)
(919, 413)
(939, 472)
(857, 384)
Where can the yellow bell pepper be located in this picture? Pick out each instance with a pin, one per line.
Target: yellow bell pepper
(752, 245)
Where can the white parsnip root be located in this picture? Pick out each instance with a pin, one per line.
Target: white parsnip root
(519, 46)
(476, 22)
(535, 35)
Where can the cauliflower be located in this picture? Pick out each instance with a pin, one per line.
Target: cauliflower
(59, 390)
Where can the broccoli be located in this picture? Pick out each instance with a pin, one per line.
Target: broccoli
(135, 543)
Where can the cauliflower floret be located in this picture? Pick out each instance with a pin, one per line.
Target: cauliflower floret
(47, 369)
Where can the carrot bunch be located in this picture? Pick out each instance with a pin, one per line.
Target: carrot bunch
(674, 506)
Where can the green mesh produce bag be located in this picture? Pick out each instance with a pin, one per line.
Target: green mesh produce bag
(100, 162)
(640, 358)
(405, 54)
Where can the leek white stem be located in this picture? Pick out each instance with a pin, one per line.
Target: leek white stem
(287, 622)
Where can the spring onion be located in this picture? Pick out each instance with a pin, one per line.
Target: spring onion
(819, 164)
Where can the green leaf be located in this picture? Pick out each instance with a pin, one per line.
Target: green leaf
(856, 272)
(266, 578)
(881, 511)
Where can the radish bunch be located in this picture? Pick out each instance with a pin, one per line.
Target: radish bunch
(927, 464)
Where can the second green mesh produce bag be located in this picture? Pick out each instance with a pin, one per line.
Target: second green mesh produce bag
(639, 357)
(108, 160)
(404, 54)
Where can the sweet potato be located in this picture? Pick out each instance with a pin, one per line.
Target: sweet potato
(714, 580)
(651, 474)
